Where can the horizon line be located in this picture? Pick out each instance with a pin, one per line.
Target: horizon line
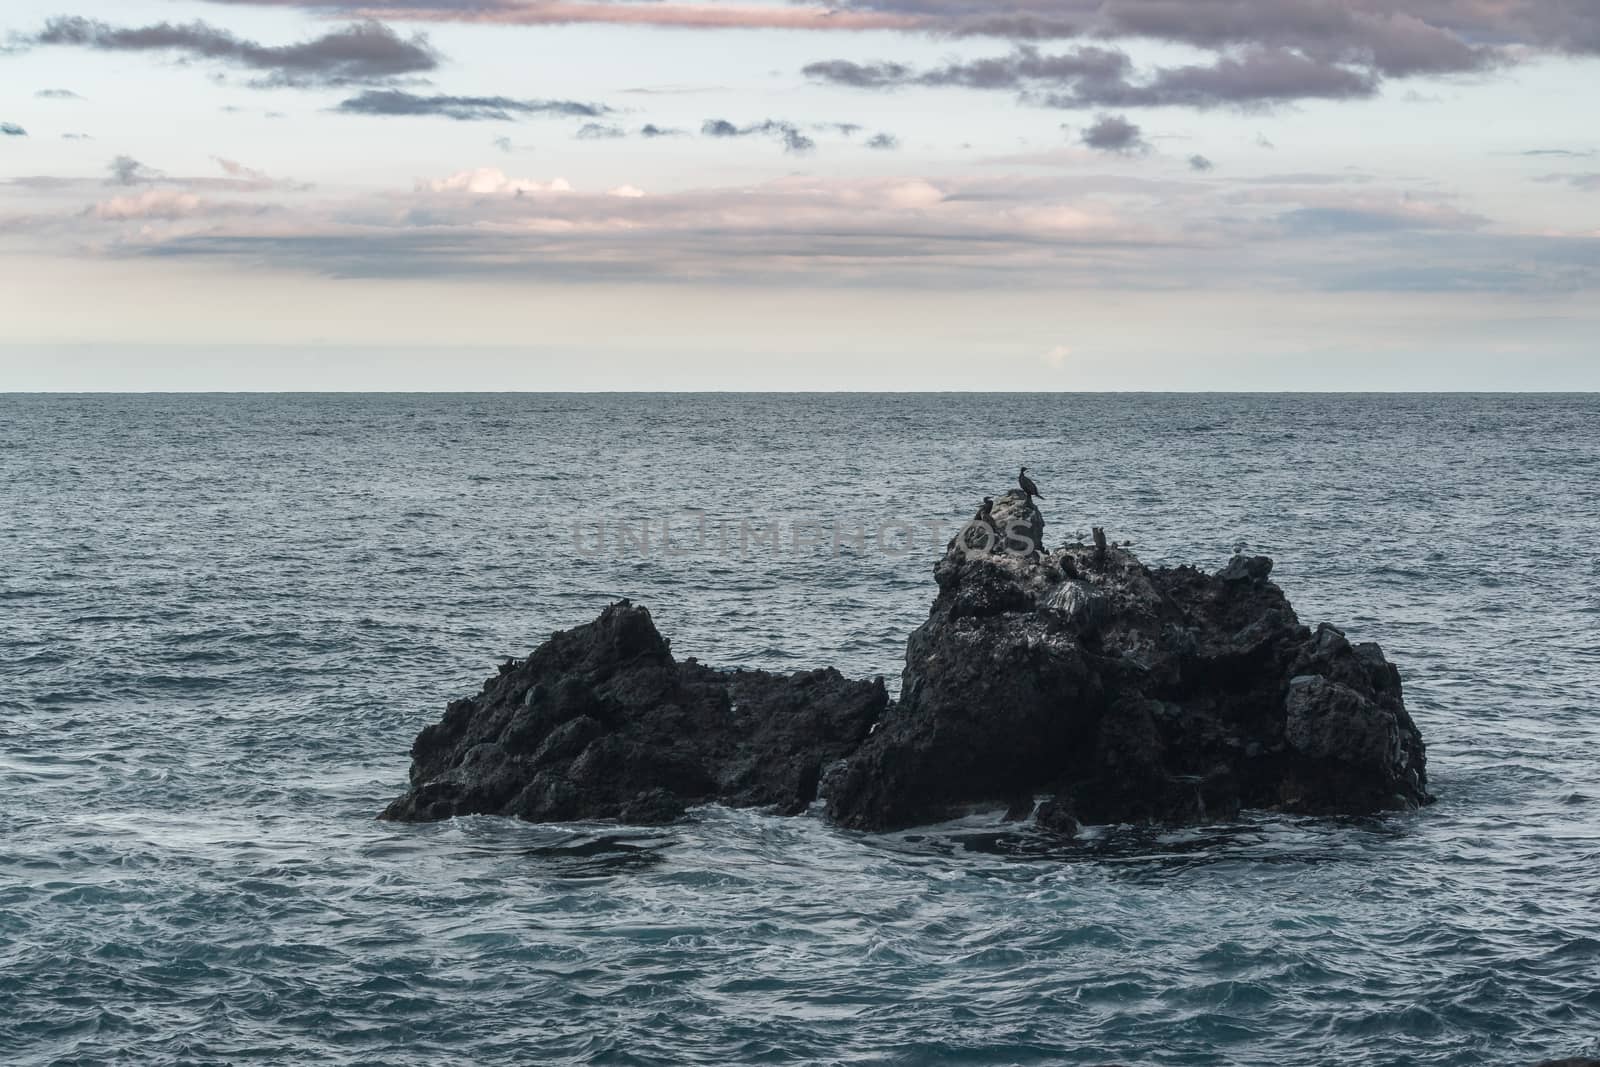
(793, 392)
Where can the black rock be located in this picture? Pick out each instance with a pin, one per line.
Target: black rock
(602, 723)
(1129, 695)
(1117, 692)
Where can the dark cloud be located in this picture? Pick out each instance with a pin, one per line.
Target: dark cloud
(1395, 38)
(887, 142)
(361, 52)
(125, 170)
(11, 129)
(787, 132)
(859, 75)
(1023, 67)
(57, 94)
(1256, 78)
(597, 131)
(1393, 42)
(1113, 133)
(504, 144)
(650, 130)
(1027, 66)
(1566, 153)
(392, 102)
(1104, 77)
(1265, 51)
(794, 140)
(1201, 163)
(1016, 26)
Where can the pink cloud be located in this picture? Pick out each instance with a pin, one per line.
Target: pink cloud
(675, 15)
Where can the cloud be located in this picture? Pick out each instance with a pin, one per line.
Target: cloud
(76, 137)
(1337, 214)
(872, 230)
(245, 179)
(1057, 357)
(650, 131)
(860, 75)
(1114, 133)
(1564, 153)
(1588, 183)
(1024, 67)
(1263, 52)
(234, 169)
(597, 131)
(361, 52)
(1380, 34)
(795, 141)
(396, 102)
(11, 129)
(786, 132)
(887, 142)
(1102, 77)
(57, 94)
(1201, 163)
(492, 181)
(125, 170)
(1393, 37)
(236, 177)
(671, 15)
(1079, 230)
(169, 205)
(1028, 67)
(1261, 76)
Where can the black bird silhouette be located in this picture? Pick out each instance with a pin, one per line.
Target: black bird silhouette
(986, 512)
(1028, 486)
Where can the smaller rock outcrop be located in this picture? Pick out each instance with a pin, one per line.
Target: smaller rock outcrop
(600, 722)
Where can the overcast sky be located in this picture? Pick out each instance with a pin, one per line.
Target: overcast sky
(880, 194)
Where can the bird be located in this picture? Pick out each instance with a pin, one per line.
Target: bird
(1028, 486)
(986, 512)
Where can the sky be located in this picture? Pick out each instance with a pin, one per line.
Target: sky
(1004, 195)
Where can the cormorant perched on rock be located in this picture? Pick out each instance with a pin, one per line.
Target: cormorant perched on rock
(1028, 486)
(986, 512)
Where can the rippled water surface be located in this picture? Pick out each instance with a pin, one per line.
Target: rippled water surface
(222, 619)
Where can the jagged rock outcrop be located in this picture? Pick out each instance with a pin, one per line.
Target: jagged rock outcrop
(1115, 692)
(601, 722)
(1129, 695)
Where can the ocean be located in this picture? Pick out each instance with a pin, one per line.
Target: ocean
(224, 617)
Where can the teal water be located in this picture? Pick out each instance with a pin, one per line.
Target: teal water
(223, 618)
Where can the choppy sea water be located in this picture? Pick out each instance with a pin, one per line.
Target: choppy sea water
(223, 618)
